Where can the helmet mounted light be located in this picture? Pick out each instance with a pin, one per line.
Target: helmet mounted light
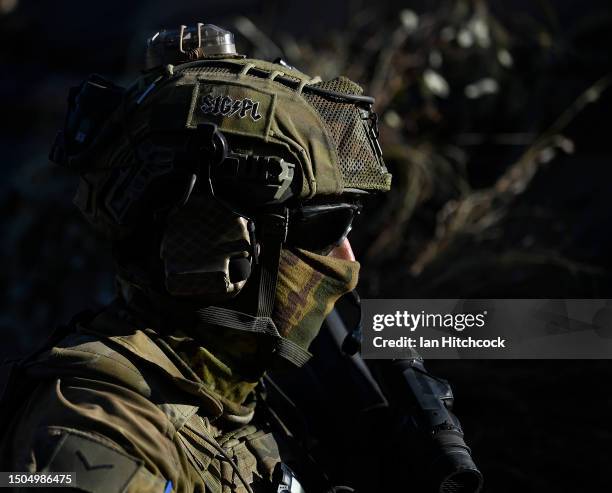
(189, 43)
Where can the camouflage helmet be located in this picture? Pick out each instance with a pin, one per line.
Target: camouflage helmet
(326, 131)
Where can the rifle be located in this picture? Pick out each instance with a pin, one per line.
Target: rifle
(345, 408)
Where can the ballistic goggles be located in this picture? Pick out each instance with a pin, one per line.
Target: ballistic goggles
(320, 228)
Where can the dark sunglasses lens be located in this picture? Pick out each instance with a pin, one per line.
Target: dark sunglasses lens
(318, 229)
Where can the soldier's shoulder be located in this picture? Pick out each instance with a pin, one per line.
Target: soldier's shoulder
(93, 463)
(131, 365)
(106, 347)
(89, 355)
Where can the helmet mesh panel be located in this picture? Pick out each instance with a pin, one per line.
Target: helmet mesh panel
(360, 165)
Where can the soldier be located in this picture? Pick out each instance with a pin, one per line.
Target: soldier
(227, 186)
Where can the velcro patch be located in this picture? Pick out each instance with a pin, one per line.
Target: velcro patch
(226, 106)
(99, 468)
(235, 108)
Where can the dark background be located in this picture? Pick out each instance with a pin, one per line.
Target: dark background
(494, 122)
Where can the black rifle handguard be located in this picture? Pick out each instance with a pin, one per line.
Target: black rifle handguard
(427, 400)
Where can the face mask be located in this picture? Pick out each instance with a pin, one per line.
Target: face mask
(308, 286)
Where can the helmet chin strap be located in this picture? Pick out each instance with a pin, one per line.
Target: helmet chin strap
(273, 233)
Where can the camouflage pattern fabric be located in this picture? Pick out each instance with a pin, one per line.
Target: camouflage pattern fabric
(225, 360)
(231, 362)
(116, 409)
(308, 286)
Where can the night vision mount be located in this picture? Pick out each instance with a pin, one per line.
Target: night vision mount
(243, 183)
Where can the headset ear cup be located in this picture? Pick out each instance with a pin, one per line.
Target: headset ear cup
(205, 251)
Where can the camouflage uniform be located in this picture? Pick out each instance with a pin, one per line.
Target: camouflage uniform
(121, 412)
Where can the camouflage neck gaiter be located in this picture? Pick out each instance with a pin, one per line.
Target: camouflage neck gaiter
(231, 362)
(221, 358)
(308, 286)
